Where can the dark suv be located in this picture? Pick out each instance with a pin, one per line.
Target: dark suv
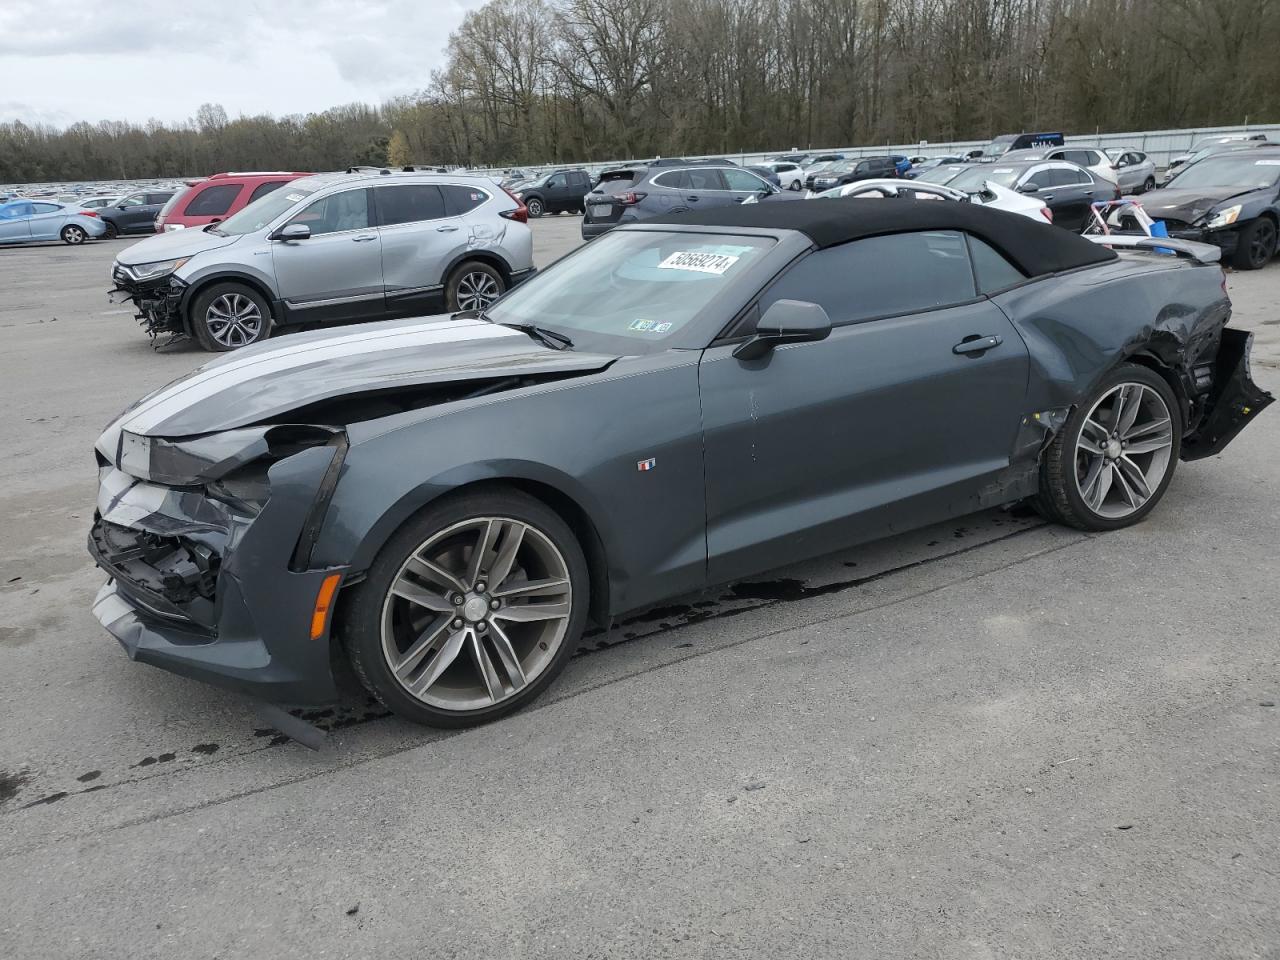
(134, 213)
(560, 190)
(849, 171)
(628, 194)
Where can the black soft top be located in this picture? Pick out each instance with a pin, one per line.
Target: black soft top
(1038, 248)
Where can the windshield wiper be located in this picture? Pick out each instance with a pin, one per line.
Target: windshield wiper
(548, 338)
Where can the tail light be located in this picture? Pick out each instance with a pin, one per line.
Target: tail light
(88, 213)
(630, 198)
(520, 214)
(1047, 214)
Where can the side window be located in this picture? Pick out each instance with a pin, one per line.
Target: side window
(262, 189)
(676, 180)
(16, 210)
(556, 181)
(991, 270)
(742, 180)
(160, 198)
(212, 201)
(408, 203)
(133, 201)
(1074, 177)
(852, 285)
(459, 199)
(39, 208)
(337, 212)
(1040, 179)
(705, 179)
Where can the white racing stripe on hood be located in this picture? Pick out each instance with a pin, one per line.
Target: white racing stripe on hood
(209, 381)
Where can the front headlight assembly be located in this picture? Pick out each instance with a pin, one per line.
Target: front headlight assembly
(1223, 218)
(150, 271)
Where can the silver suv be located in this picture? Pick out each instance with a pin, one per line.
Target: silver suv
(334, 248)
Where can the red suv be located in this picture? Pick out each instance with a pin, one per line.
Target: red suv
(214, 199)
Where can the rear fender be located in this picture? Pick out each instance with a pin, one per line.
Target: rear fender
(1234, 400)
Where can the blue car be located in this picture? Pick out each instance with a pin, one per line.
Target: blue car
(34, 221)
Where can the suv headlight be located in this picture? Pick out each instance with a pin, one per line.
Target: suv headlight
(1223, 218)
(150, 271)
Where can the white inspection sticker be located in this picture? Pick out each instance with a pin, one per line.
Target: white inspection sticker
(294, 197)
(716, 263)
(1266, 163)
(1003, 170)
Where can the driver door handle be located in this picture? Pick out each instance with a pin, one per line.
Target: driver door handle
(976, 344)
(445, 229)
(692, 196)
(363, 239)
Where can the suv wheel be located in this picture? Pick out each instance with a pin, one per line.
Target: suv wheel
(112, 230)
(535, 207)
(473, 286)
(228, 316)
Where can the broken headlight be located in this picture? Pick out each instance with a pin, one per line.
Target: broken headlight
(1223, 218)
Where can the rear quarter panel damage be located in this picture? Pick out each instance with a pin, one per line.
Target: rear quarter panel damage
(1080, 325)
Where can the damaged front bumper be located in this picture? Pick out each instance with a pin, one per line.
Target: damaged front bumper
(212, 580)
(1233, 401)
(158, 302)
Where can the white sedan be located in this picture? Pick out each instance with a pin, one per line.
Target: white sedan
(992, 195)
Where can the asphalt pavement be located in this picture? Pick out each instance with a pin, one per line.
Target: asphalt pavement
(992, 738)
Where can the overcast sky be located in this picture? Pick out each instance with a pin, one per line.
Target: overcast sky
(68, 60)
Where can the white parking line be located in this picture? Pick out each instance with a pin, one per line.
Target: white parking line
(112, 313)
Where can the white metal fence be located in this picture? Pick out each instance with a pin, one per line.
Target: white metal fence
(1159, 144)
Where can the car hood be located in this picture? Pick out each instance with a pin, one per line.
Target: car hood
(1190, 204)
(258, 383)
(172, 246)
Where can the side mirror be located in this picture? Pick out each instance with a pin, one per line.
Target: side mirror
(292, 231)
(1028, 188)
(787, 321)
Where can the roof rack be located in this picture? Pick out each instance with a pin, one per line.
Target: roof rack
(406, 168)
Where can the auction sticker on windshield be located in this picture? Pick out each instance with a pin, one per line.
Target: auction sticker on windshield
(716, 263)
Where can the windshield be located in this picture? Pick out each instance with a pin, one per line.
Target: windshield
(941, 174)
(997, 146)
(631, 292)
(261, 212)
(973, 179)
(1230, 171)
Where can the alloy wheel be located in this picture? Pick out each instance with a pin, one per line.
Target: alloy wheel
(1124, 450)
(1262, 245)
(234, 320)
(476, 613)
(476, 290)
(73, 235)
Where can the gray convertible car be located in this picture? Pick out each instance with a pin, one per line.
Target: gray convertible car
(435, 509)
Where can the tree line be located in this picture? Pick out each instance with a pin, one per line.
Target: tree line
(543, 81)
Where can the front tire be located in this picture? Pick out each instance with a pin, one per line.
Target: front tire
(473, 286)
(1114, 457)
(535, 207)
(228, 316)
(74, 235)
(1148, 185)
(470, 610)
(1255, 245)
(796, 185)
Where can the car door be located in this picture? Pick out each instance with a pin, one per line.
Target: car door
(419, 239)
(15, 222)
(704, 187)
(898, 419)
(335, 274)
(743, 184)
(129, 213)
(557, 192)
(1059, 192)
(47, 220)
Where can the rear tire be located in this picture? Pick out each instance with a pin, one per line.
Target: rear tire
(1148, 185)
(405, 615)
(1255, 245)
(74, 235)
(228, 316)
(1100, 474)
(473, 285)
(112, 231)
(796, 185)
